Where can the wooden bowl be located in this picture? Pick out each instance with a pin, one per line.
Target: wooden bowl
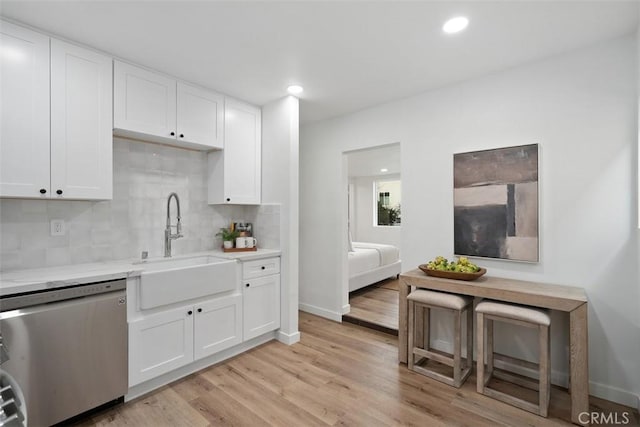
(452, 274)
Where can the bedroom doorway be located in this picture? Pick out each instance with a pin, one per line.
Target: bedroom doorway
(374, 218)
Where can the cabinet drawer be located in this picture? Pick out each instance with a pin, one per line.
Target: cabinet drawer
(260, 267)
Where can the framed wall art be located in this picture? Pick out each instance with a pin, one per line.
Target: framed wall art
(496, 203)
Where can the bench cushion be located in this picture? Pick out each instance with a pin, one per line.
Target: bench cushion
(440, 299)
(537, 316)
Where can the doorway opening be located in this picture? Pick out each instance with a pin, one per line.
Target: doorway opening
(374, 216)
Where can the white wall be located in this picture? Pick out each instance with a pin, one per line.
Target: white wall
(280, 142)
(581, 108)
(363, 228)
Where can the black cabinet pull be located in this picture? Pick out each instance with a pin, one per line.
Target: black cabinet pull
(247, 285)
(263, 267)
(228, 199)
(181, 135)
(173, 134)
(199, 310)
(189, 312)
(43, 191)
(58, 192)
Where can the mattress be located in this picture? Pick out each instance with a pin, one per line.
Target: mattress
(369, 256)
(388, 254)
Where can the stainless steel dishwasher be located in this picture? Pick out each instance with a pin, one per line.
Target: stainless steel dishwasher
(66, 348)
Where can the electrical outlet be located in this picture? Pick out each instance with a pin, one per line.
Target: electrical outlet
(57, 227)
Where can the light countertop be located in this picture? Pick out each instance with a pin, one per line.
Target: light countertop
(37, 279)
(245, 256)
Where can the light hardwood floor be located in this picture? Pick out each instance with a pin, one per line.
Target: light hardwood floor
(338, 374)
(376, 305)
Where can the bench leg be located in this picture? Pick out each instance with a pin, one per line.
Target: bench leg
(457, 347)
(489, 346)
(480, 337)
(544, 371)
(469, 314)
(410, 337)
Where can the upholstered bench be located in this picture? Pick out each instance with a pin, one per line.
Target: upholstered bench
(421, 301)
(486, 313)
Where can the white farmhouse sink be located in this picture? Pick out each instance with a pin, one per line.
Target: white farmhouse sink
(170, 280)
(161, 264)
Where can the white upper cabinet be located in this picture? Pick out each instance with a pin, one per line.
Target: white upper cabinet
(24, 113)
(56, 114)
(157, 108)
(144, 102)
(235, 172)
(81, 123)
(200, 116)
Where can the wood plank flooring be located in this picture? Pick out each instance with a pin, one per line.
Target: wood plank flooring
(375, 305)
(338, 374)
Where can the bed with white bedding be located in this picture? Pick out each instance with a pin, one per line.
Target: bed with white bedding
(372, 262)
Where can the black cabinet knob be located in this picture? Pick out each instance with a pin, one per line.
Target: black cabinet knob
(263, 267)
(247, 285)
(173, 134)
(181, 135)
(43, 191)
(58, 192)
(228, 199)
(199, 310)
(189, 312)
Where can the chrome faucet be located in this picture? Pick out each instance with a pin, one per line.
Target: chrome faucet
(168, 237)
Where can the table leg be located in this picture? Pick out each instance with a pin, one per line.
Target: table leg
(579, 363)
(402, 321)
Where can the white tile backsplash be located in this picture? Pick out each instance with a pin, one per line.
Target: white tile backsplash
(134, 221)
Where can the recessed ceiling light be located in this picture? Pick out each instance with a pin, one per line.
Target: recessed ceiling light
(455, 25)
(295, 89)
(384, 170)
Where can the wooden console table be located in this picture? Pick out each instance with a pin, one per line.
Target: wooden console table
(555, 297)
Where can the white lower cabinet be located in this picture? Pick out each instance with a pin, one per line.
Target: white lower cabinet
(173, 338)
(260, 296)
(160, 343)
(218, 325)
(261, 305)
(166, 340)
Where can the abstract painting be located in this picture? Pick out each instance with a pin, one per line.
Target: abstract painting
(495, 197)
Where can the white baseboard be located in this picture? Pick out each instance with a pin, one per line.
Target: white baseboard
(322, 312)
(346, 309)
(603, 391)
(614, 394)
(288, 339)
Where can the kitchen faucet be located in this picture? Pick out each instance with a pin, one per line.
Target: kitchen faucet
(168, 237)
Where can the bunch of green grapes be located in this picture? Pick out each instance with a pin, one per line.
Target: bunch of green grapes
(463, 265)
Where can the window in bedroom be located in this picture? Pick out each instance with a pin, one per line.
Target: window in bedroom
(387, 195)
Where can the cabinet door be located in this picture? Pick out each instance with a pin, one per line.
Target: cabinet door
(242, 155)
(200, 116)
(261, 305)
(24, 113)
(217, 325)
(143, 102)
(81, 123)
(160, 343)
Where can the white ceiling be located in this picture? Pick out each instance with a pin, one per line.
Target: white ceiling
(347, 55)
(369, 162)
